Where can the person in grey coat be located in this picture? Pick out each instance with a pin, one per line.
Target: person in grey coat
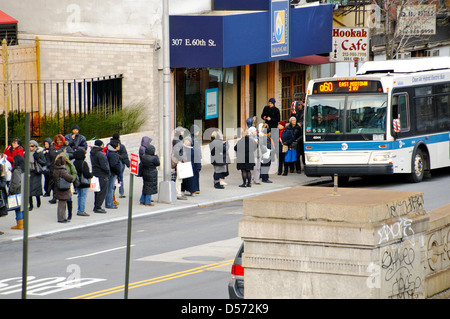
(150, 162)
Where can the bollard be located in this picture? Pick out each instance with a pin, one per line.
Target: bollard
(335, 191)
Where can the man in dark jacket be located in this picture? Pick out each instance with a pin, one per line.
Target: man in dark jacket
(271, 114)
(75, 139)
(100, 169)
(115, 167)
(125, 161)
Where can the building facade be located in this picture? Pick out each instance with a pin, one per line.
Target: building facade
(238, 56)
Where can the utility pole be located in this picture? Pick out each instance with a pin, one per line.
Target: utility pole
(167, 192)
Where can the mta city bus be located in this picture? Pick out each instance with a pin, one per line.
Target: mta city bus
(393, 117)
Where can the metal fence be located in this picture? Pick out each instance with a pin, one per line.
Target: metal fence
(62, 98)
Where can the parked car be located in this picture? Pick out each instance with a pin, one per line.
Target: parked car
(236, 283)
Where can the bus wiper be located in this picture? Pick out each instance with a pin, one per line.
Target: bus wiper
(356, 125)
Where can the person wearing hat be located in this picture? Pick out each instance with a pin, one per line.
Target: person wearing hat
(14, 149)
(37, 162)
(271, 114)
(101, 170)
(124, 161)
(281, 127)
(115, 167)
(75, 139)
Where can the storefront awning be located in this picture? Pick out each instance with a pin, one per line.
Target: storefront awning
(310, 59)
(222, 39)
(6, 19)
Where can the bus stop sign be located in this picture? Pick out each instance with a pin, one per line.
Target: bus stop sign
(134, 163)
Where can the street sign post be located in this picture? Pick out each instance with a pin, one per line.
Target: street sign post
(134, 167)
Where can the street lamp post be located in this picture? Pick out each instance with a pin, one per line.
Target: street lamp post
(167, 192)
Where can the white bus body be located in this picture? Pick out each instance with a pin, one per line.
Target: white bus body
(392, 117)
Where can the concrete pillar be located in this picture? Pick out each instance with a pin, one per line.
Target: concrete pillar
(306, 242)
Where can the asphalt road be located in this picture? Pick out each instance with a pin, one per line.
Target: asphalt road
(180, 254)
(183, 254)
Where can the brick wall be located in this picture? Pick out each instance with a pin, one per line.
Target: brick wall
(69, 57)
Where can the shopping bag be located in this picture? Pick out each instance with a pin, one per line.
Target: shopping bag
(95, 184)
(291, 156)
(14, 201)
(184, 170)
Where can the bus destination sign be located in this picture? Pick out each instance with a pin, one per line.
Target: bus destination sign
(347, 86)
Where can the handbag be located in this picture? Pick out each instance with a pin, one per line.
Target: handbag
(266, 155)
(184, 170)
(84, 181)
(291, 156)
(95, 184)
(62, 184)
(14, 201)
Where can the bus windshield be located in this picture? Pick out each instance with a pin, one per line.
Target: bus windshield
(346, 114)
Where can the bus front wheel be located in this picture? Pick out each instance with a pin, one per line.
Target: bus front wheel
(417, 167)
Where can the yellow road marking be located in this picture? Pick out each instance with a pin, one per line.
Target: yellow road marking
(155, 280)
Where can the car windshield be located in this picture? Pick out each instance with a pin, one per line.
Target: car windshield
(336, 114)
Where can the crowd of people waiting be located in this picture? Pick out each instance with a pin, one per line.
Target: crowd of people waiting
(255, 151)
(62, 163)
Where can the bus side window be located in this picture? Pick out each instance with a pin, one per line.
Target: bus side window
(395, 107)
(400, 110)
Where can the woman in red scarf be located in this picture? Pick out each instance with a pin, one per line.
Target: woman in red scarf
(14, 149)
(58, 146)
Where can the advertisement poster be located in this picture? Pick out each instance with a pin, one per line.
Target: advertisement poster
(211, 103)
(279, 26)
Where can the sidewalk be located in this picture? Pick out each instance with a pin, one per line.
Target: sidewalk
(42, 221)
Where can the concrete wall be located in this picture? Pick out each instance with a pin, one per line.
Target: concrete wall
(308, 243)
(97, 18)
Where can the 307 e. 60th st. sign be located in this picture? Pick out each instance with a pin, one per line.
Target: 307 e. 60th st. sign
(350, 43)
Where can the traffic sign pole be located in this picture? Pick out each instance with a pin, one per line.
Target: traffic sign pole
(134, 165)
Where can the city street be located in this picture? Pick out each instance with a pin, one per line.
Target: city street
(180, 254)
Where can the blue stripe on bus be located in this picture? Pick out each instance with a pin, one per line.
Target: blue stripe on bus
(375, 145)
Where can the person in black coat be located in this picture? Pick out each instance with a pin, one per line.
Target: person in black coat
(82, 170)
(37, 164)
(3, 194)
(150, 162)
(100, 169)
(47, 177)
(115, 167)
(271, 114)
(297, 144)
(287, 138)
(125, 161)
(245, 153)
(192, 184)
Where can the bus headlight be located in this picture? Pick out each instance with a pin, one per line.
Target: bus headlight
(313, 158)
(381, 157)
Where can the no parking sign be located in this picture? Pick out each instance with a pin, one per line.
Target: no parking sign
(134, 163)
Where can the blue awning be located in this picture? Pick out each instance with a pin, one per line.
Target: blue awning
(221, 39)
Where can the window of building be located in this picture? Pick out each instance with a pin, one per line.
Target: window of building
(191, 94)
